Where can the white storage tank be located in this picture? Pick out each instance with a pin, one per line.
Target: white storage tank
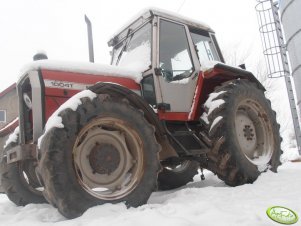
(290, 14)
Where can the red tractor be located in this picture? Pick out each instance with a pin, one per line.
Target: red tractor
(166, 107)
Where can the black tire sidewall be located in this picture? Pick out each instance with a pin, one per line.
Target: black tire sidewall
(14, 183)
(64, 190)
(226, 159)
(240, 94)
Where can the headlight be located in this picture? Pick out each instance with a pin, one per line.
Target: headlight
(27, 100)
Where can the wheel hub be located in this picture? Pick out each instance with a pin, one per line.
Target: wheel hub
(104, 158)
(248, 132)
(245, 130)
(254, 133)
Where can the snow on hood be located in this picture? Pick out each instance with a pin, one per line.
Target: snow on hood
(83, 67)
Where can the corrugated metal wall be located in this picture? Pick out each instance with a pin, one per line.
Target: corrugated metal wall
(291, 20)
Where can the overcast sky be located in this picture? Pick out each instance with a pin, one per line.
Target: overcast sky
(58, 27)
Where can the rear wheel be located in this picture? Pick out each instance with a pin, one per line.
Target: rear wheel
(244, 131)
(175, 176)
(106, 153)
(19, 181)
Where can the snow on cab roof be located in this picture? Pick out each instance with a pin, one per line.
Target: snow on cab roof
(146, 14)
(82, 67)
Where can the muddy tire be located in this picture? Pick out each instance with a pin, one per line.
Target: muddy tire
(106, 153)
(19, 181)
(246, 140)
(172, 177)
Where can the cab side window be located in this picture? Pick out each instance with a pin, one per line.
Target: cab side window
(204, 46)
(174, 57)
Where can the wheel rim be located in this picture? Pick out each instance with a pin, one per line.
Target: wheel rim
(254, 132)
(178, 168)
(108, 158)
(28, 177)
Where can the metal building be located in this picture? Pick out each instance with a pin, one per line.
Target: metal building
(291, 22)
(280, 28)
(8, 113)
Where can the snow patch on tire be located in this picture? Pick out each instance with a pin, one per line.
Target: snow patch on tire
(204, 117)
(211, 104)
(215, 122)
(13, 137)
(56, 121)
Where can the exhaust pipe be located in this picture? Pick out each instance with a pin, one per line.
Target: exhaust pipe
(90, 39)
(40, 55)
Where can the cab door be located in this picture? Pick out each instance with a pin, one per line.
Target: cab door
(177, 70)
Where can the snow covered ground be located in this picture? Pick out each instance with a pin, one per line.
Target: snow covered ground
(208, 202)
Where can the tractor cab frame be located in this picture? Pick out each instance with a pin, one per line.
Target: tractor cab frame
(172, 52)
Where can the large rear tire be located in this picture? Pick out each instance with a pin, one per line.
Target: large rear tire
(106, 153)
(175, 176)
(244, 131)
(19, 180)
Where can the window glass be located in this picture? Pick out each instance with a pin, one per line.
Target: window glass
(204, 47)
(174, 58)
(2, 116)
(135, 52)
(148, 88)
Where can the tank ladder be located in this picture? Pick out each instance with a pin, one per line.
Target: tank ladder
(276, 53)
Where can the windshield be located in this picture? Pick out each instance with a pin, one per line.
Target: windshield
(134, 53)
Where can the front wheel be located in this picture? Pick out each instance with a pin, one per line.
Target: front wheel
(19, 180)
(106, 153)
(244, 131)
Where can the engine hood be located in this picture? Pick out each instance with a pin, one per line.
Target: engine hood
(84, 68)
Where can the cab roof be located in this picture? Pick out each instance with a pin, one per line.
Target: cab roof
(148, 14)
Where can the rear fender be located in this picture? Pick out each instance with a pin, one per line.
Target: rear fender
(224, 73)
(214, 77)
(138, 102)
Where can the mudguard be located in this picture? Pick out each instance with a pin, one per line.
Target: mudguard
(227, 72)
(139, 103)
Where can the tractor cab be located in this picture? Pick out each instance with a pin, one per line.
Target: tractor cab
(170, 51)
